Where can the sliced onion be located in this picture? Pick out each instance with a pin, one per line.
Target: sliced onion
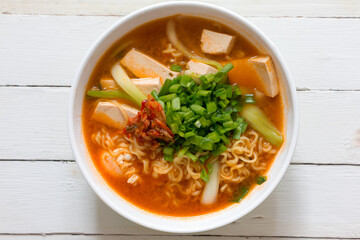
(171, 33)
(209, 195)
(209, 62)
(120, 48)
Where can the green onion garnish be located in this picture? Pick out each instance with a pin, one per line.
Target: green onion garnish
(204, 176)
(240, 194)
(260, 180)
(175, 68)
(203, 113)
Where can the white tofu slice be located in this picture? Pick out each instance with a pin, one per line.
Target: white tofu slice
(129, 111)
(265, 68)
(216, 43)
(200, 68)
(113, 114)
(110, 114)
(108, 83)
(143, 66)
(147, 85)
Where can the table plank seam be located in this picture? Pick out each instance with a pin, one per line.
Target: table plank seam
(169, 235)
(33, 86)
(123, 15)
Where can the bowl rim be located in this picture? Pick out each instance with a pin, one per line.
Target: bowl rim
(292, 96)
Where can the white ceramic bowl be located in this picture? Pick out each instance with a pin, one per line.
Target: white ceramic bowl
(185, 224)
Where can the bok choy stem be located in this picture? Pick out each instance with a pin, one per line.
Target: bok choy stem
(258, 120)
(212, 186)
(123, 80)
(110, 94)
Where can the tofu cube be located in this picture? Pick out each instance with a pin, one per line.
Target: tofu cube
(143, 66)
(265, 68)
(108, 83)
(113, 114)
(147, 85)
(216, 43)
(129, 111)
(200, 68)
(256, 72)
(110, 114)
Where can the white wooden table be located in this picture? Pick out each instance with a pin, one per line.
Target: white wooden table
(42, 192)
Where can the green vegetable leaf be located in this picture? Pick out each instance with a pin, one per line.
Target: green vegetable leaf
(204, 176)
(240, 194)
(260, 180)
(203, 113)
(111, 94)
(175, 68)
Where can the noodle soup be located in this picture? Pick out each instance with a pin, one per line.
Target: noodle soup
(183, 116)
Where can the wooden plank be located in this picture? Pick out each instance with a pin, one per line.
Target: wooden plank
(275, 8)
(321, 53)
(53, 197)
(33, 125)
(329, 128)
(136, 237)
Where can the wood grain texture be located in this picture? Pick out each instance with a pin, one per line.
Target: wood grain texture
(48, 50)
(33, 125)
(53, 197)
(273, 8)
(137, 237)
(42, 43)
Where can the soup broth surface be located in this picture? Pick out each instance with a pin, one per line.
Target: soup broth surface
(151, 39)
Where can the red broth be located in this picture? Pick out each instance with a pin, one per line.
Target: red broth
(151, 39)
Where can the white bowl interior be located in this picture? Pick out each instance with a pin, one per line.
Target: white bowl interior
(185, 224)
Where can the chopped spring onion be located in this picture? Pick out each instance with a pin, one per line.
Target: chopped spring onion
(198, 109)
(168, 150)
(202, 159)
(240, 129)
(211, 107)
(167, 98)
(240, 194)
(155, 95)
(227, 68)
(205, 116)
(123, 80)
(260, 180)
(183, 151)
(191, 156)
(220, 149)
(175, 104)
(204, 176)
(175, 68)
(175, 88)
(168, 158)
(258, 120)
(165, 87)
